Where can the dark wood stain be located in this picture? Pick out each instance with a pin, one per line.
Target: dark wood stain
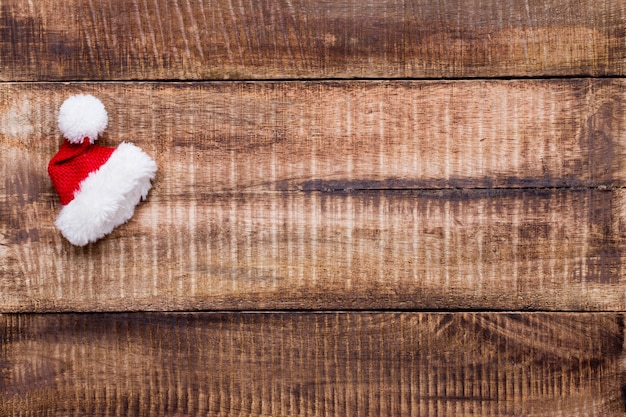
(300, 363)
(605, 259)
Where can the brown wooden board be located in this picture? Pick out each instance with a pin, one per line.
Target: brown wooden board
(351, 195)
(485, 249)
(312, 364)
(268, 39)
(266, 136)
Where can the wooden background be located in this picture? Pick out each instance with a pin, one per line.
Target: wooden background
(383, 208)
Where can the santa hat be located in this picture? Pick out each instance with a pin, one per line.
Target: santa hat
(99, 187)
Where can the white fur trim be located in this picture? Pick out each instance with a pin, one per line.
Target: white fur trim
(108, 196)
(82, 116)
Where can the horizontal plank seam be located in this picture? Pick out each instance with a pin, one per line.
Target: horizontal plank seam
(313, 79)
(499, 188)
(324, 311)
(328, 190)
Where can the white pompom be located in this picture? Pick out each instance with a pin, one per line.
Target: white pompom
(82, 116)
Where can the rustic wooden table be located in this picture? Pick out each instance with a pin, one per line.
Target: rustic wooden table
(385, 208)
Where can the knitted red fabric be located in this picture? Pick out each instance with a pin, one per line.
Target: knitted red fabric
(72, 164)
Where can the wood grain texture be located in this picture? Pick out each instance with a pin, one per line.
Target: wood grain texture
(319, 195)
(331, 195)
(503, 249)
(259, 136)
(268, 39)
(343, 364)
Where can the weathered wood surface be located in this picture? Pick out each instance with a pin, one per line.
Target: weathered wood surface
(502, 249)
(268, 39)
(352, 364)
(363, 195)
(282, 196)
(260, 136)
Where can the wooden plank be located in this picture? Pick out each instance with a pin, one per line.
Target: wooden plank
(259, 136)
(270, 39)
(344, 364)
(555, 249)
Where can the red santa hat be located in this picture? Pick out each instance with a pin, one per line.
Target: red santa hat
(99, 187)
